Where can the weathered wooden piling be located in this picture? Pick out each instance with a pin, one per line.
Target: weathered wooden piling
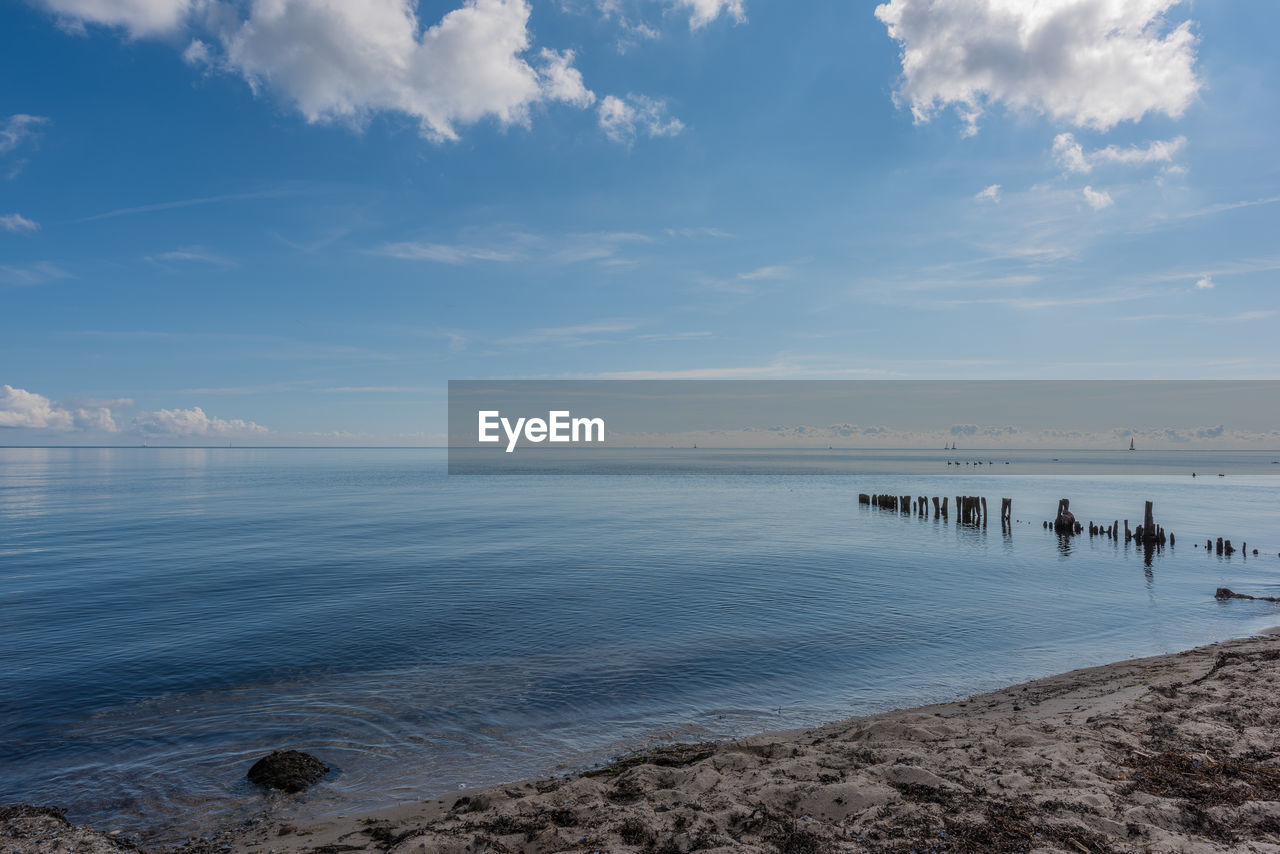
(984, 509)
(935, 507)
(1006, 509)
(1065, 522)
(944, 507)
(863, 498)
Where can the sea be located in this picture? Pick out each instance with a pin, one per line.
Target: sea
(169, 615)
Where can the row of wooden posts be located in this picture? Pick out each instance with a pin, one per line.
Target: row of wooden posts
(970, 509)
(1148, 532)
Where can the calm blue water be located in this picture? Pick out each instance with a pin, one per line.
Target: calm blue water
(167, 615)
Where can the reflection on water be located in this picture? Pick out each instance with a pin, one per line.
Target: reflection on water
(171, 614)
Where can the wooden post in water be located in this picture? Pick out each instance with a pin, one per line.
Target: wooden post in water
(984, 510)
(944, 507)
(935, 507)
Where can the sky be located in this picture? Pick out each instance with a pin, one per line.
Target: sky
(293, 221)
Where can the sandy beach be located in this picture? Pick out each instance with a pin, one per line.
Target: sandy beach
(1174, 753)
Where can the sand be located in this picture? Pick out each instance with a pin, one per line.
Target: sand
(1175, 753)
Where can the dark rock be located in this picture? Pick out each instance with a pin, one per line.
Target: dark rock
(287, 770)
(1227, 593)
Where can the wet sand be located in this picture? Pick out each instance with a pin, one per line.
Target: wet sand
(1174, 753)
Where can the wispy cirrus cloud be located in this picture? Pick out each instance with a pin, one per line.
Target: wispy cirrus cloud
(186, 203)
(579, 335)
(773, 272)
(444, 253)
(19, 129)
(191, 255)
(17, 223)
(29, 275)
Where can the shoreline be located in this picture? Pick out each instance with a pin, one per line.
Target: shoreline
(1174, 752)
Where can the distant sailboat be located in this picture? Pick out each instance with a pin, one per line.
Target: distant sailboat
(1131, 444)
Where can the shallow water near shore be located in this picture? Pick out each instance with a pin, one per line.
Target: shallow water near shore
(168, 615)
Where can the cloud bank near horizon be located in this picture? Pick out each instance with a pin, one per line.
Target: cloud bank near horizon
(24, 409)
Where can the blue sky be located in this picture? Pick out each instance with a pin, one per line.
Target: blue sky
(295, 220)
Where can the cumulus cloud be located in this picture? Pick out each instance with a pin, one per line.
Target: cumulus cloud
(703, 12)
(990, 194)
(622, 119)
(17, 222)
(340, 60)
(1205, 283)
(1073, 158)
(1070, 154)
(193, 422)
(1098, 199)
(22, 408)
(1092, 63)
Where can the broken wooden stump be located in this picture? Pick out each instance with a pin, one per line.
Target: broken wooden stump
(1065, 521)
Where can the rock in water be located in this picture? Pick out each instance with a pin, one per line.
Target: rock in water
(287, 770)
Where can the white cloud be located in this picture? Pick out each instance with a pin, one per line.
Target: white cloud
(703, 12)
(575, 336)
(623, 118)
(22, 408)
(990, 194)
(17, 129)
(561, 81)
(193, 422)
(1073, 158)
(1070, 154)
(1093, 63)
(342, 60)
(17, 222)
(1098, 199)
(1205, 283)
(776, 271)
(139, 17)
(445, 254)
(192, 254)
(32, 274)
